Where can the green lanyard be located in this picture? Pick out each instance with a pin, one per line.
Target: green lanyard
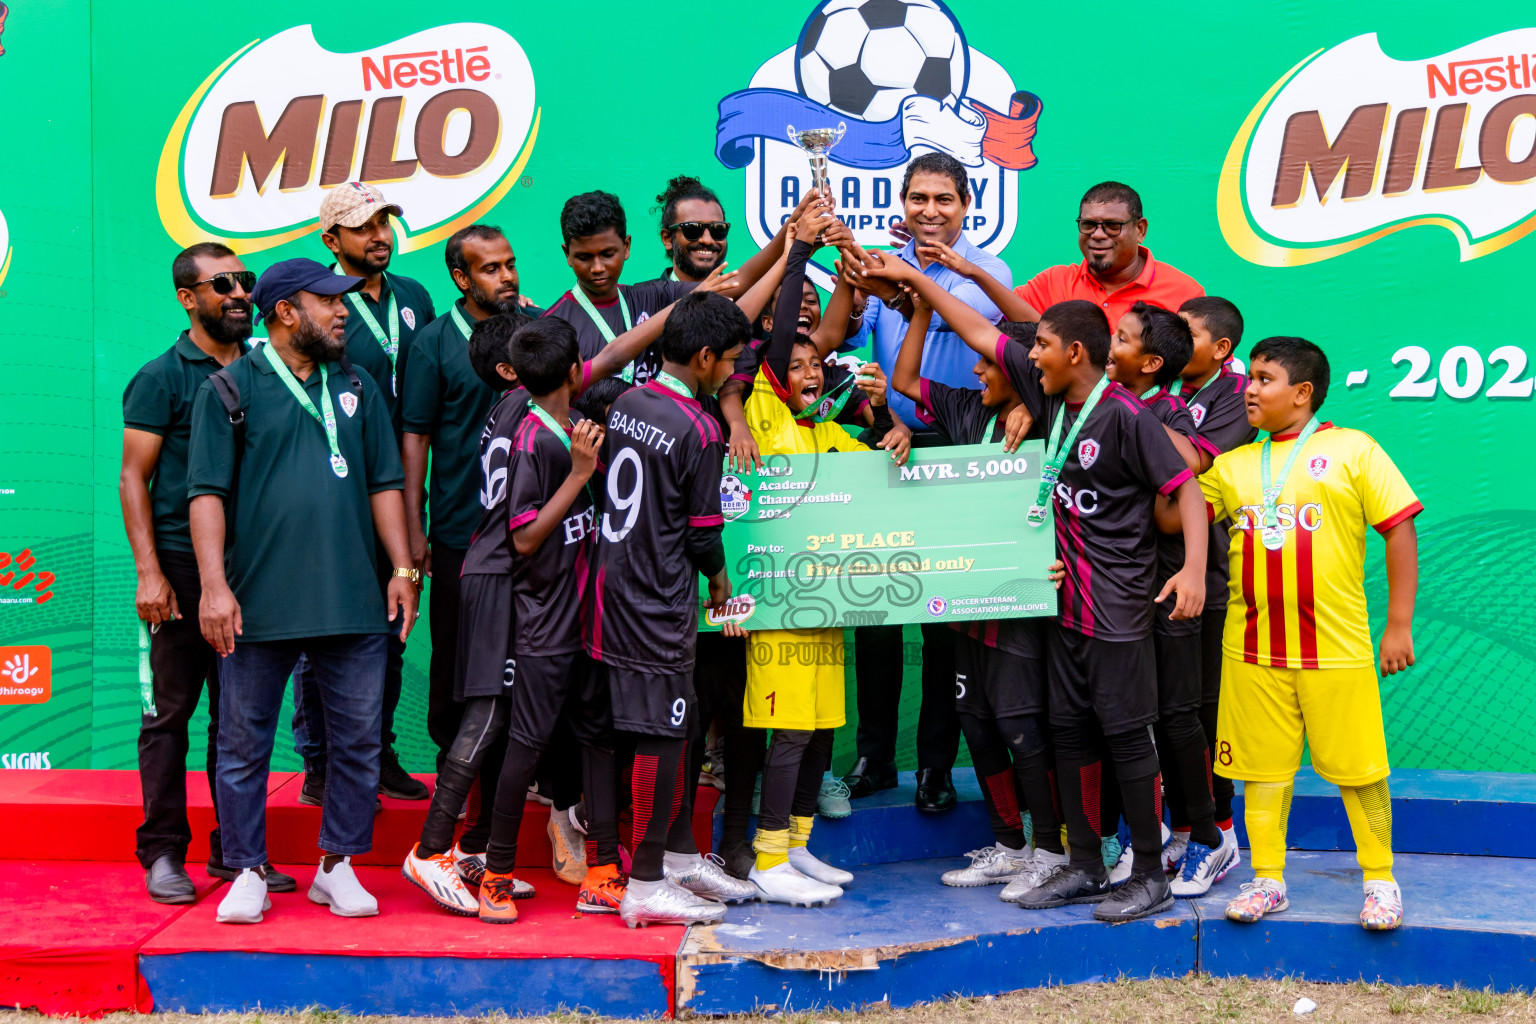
(556, 429)
(328, 420)
(390, 342)
(602, 325)
(1152, 393)
(1056, 452)
(146, 675)
(1272, 535)
(986, 432)
(831, 404)
(459, 321)
(666, 380)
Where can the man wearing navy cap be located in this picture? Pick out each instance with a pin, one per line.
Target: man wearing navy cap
(292, 476)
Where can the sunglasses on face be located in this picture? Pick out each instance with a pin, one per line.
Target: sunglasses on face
(225, 283)
(1111, 227)
(693, 230)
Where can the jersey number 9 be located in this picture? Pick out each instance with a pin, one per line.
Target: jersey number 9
(629, 503)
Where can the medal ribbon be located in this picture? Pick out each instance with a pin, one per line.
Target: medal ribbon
(1152, 393)
(390, 342)
(1272, 491)
(602, 325)
(986, 432)
(459, 321)
(1055, 451)
(666, 380)
(328, 420)
(843, 392)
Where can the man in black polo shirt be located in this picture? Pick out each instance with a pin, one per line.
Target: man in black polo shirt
(213, 288)
(443, 405)
(293, 476)
(384, 316)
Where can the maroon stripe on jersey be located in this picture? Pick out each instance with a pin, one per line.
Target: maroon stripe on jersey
(1127, 399)
(715, 520)
(597, 614)
(924, 409)
(1081, 617)
(708, 429)
(1250, 604)
(1392, 520)
(1174, 484)
(1274, 586)
(1207, 445)
(526, 517)
(523, 441)
(991, 630)
(1306, 613)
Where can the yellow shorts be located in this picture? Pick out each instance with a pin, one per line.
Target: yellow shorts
(1265, 713)
(794, 679)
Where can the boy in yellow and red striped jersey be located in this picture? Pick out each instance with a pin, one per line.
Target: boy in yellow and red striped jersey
(1297, 658)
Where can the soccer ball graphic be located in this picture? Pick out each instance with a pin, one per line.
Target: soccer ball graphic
(864, 57)
(735, 497)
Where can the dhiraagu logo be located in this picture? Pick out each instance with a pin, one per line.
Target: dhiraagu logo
(445, 118)
(1352, 145)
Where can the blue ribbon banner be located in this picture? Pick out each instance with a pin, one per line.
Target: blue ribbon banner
(751, 114)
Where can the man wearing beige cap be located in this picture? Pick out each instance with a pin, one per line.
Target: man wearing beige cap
(385, 315)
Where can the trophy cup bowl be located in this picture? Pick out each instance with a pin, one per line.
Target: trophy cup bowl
(816, 142)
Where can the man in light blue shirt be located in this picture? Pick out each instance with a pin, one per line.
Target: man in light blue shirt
(936, 196)
(936, 205)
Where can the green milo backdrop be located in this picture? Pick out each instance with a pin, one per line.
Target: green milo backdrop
(1359, 174)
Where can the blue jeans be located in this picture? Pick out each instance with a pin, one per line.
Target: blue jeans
(349, 672)
(309, 712)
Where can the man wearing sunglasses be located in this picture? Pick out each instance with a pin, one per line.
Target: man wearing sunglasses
(213, 288)
(693, 229)
(385, 315)
(1117, 269)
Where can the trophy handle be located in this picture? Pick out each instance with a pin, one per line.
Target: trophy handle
(842, 129)
(794, 136)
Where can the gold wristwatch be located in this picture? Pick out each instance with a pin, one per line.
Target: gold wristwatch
(413, 574)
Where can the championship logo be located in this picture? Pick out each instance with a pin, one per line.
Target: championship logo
(1351, 145)
(1087, 452)
(902, 79)
(737, 609)
(735, 497)
(445, 118)
(5, 248)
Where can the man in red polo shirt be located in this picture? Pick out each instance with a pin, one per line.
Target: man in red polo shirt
(1117, 270)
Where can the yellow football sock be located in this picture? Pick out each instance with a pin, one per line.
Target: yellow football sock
(1370, 819)
(772, 848)
(800, 830)
(1266, 812)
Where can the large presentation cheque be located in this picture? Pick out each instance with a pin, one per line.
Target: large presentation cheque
(851, 539)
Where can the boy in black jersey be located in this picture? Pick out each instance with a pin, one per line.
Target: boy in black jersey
(485, 664)
(1113, 462)
(659, 528)
(1000, 680)
(1150, 348)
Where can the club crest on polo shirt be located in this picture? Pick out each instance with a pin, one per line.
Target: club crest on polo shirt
(1318, 466)
(348, 402)
(1088, 452)
(1198, 412)
(409, 316)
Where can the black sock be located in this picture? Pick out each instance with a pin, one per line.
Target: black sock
(1183, 753)
(481, 731)
(477, 833)
(1079, 775)
(1221, 786)
(653, 783)
(517, 771)
(781, 777)
(453, 784)
(600, 781)
(1026, 739)
(995, 772)
(680, 830)
(1141, 797)
(813, 765)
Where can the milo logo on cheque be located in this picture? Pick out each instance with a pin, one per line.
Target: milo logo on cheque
(738, 610)
(444, 117)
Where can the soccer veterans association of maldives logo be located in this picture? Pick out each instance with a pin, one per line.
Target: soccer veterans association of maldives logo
(902, 78)
(445, 118)
(1351, 145)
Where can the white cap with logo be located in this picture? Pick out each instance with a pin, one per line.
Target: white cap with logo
(352, 205)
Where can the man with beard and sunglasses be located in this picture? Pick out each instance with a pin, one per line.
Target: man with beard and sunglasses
(384, 316)
(443, 405)
(213, 288)
(294, 478)
(693, 229)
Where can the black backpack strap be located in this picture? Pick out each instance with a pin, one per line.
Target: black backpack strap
(229, 393)
(346, 367)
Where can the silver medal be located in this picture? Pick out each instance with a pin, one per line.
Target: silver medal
(1273, 537)
(339, 466)
(1035, 516)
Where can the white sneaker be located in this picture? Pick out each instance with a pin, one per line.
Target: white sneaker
(783, 884)
(990, 865)
(1121, 872)
(340, 890)
(807, 863)
(440, 879)
(1042, 864)
(246, 899)
(1174, 845)
(1229, 840)
(1203, 867)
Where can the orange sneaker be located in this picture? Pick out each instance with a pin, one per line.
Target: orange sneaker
(602, 891)
(497, 893)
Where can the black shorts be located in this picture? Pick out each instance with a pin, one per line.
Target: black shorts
(719, 680)
(545, 688)
(1178, 672)
(1115, 682)
(994, 683)
(1211, 625)
(484, 666)
(650, 704)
